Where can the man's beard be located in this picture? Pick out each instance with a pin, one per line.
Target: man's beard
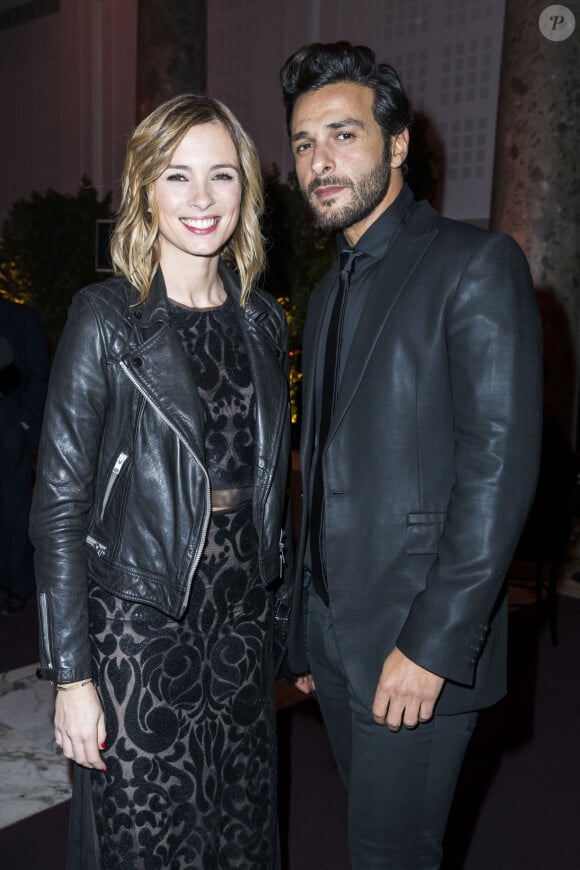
(367, 192)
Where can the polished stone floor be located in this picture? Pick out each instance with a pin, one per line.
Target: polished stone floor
(34, 777)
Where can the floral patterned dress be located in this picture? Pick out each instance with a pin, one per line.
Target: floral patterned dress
(189, 705)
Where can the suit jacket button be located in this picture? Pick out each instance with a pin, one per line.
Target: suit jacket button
(137, 362)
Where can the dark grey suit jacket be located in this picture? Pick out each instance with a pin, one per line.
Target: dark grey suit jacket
(431, 461)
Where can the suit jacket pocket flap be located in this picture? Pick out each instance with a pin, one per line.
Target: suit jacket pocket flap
(423, 532)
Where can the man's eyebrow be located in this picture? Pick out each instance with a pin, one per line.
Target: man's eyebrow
(333, 125)
(346, 122)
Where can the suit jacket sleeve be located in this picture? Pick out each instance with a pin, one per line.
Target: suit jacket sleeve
(495, 368)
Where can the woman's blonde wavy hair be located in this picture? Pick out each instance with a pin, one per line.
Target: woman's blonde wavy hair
(134, 248)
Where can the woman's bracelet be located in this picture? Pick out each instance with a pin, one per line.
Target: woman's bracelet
(73, 687)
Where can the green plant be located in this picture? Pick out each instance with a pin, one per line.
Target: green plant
(48, 250)
(14, 284)
(298, 256)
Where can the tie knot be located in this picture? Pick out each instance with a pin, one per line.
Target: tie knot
(347, 259)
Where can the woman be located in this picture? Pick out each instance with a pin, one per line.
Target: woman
(157, 514)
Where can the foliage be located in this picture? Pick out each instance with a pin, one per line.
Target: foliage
(298, 256)
(14, 284)
(48, 250)
(298, 252)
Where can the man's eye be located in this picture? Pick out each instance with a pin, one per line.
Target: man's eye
(300, 149)
(345, 135)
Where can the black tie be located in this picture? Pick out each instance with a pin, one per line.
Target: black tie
(327, 401)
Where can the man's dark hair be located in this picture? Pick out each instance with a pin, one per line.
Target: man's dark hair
(319, 64)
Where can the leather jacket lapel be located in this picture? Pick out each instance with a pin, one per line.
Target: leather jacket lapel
(160, 370)
(268, 365)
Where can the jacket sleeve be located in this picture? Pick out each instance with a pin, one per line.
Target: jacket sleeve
(495, 366)
(73, 422)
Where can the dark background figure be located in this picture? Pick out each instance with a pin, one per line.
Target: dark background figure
(24, 366)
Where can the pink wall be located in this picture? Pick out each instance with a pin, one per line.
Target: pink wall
(67, 98)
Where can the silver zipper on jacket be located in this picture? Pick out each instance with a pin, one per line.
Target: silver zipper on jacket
(278, 442)
(117, 468)
(201, 543)
(100, 549)
(282, 549)
(44, 627)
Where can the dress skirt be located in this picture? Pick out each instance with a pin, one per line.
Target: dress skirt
(190, 718)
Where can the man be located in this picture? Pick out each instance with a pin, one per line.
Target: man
(24, 369)
(420, 444)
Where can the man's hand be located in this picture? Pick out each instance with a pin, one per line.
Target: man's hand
(79, 726)
(406, 693)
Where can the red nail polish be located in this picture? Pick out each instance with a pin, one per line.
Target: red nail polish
(103, 745)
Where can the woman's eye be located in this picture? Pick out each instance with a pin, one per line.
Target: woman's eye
(176, 176)
(223, 176)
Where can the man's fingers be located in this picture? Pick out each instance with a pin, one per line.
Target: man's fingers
(426, 711)
(396, 714)
(394, 718)
(379, 710)
(388, 712)
(411, 716)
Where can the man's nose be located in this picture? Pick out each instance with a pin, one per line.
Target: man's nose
(322, 162)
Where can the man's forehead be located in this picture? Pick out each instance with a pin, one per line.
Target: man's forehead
(332, 105)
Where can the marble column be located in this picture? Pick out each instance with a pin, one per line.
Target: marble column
(171, 57)
(536, 193)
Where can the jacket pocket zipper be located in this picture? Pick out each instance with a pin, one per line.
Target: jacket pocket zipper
(113, 477)
(282, 550)
(44, 625)
(100, 549)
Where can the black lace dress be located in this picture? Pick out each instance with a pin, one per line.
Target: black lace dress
(189, 705)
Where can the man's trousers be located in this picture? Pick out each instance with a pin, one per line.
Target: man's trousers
(400, 784)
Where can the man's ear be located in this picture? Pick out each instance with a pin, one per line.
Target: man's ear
(399, 148)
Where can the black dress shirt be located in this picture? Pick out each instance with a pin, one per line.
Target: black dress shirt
(373, 247)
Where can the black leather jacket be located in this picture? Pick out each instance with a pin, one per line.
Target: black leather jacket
(122, 495)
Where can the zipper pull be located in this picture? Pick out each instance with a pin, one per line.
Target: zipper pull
(100, 549)
(122, 458)
(282, 548)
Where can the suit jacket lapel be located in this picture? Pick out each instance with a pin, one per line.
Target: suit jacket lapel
(407, 250)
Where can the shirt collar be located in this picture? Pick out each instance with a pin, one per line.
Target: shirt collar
(375, 241)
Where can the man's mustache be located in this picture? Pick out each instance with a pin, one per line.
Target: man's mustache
(327, 181)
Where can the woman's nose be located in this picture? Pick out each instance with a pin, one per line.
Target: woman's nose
(200, 197)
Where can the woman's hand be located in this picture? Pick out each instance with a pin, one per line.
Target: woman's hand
(79, 726)
(306, 684)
